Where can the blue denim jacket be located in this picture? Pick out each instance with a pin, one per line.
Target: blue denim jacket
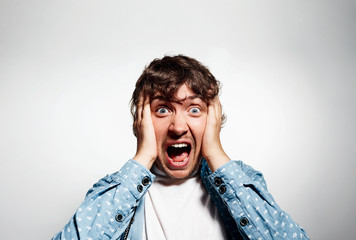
(239, 192)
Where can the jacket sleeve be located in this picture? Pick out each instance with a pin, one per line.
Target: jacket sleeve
(109, 205)
(241, 196)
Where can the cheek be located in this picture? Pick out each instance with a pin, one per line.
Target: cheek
(197, 127)
(160, 126)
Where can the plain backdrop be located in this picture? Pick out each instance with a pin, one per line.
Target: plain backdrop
(68, 68)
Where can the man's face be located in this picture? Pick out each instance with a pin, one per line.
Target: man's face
(179, 128)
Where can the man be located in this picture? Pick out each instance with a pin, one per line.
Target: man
(180, 184)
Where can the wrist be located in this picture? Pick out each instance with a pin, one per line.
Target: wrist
(144, 160)
(216, 160)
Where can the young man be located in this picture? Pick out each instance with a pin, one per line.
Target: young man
(180, 184)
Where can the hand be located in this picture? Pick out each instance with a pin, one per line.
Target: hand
(211, 147)
(146, 152)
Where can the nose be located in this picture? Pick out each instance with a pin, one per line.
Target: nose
(179, 125)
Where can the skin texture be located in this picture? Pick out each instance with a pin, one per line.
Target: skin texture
(189, 120)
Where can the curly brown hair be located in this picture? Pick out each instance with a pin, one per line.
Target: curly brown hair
(163, 77)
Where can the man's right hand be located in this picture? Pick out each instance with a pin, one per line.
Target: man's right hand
(146, 152)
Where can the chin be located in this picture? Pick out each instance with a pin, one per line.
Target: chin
(179, 174)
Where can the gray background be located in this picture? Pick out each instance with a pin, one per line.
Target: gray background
(68, 69)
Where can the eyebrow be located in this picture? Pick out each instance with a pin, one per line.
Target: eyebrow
(175, 100)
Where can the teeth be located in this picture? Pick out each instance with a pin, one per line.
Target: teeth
(179, 145)
(182, 162)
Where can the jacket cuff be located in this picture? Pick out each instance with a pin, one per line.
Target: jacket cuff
(135, 178)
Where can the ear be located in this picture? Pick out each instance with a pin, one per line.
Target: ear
(223, 120)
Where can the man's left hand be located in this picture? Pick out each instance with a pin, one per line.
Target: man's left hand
(211, 147)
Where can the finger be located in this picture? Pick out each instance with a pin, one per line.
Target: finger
(221, 115)
(146, 109)
(217, 111)
(211, 119)
(139, 109)
(217, 106)
(137, 123)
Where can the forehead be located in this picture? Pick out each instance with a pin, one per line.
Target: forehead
(183, 94)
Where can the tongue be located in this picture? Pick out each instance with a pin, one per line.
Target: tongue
(179, 157)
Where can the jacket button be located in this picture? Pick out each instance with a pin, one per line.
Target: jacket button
(145, 181)
(244, 221)
(222, 189)
(119, 217)
(139, 188)
(217, 181)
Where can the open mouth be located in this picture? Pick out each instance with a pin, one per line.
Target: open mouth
(178, 153)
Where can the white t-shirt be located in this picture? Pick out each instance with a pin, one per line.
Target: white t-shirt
(180, 209)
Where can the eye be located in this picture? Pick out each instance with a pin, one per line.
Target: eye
(162, 111)
(194, 110)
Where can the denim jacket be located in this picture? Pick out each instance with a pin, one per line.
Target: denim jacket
(114, 206)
